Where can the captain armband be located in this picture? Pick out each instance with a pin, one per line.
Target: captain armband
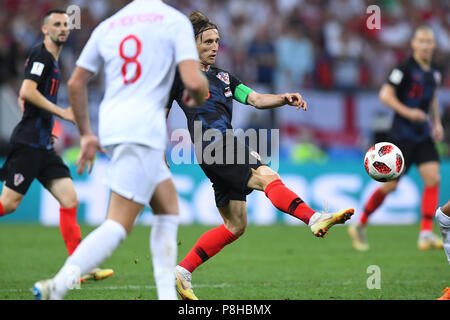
(241, 93)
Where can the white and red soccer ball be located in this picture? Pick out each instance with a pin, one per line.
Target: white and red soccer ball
(384, 162)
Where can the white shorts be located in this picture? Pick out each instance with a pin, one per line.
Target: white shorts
(135, 170)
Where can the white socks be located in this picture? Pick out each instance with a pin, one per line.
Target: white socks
(314, 218)
(163, 246)
(102, 242)
(444, 226)
(90, 253)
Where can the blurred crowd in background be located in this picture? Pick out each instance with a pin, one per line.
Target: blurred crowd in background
(277, 45)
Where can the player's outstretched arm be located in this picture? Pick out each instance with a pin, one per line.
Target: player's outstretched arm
(388, 97)
(77, 87)
(30, 93)
(269, 101)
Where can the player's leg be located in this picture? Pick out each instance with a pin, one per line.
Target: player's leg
(9, 200)
(163, 238)
(214, 240)
(210, 243)
(429, 171)
(131, 178)
(428, 166)
(377, 199)
(357, 231)
(18, 172)
(93, 250)
(284, 199)
(64, 192)
(443, 220)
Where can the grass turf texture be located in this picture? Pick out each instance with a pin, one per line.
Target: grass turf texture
(267, 262)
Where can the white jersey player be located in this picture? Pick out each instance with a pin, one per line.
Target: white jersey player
(443, 219)
(139, 48)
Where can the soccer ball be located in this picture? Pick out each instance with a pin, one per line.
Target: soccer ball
(384, 162)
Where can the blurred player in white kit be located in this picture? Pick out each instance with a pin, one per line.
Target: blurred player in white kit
(140, 47)
(443, 220)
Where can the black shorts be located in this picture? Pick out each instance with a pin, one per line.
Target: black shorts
(417, 152)
(24, 164)
(229, 178)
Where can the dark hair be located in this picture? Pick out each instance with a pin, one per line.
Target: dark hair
(201, 23)
(49, 12)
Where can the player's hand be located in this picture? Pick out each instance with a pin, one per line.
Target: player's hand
(438, 131)
(89, 145)
(416, 115)
(296, 100)
(188, 100)
(67, 114)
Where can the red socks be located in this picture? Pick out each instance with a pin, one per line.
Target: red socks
(429, 205)
(287, 201)
(2, 210)
(209, 244)
(69, 228)
(375, 200)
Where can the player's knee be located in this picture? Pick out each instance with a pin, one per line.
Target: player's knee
(433, 181)
(239, 230)
(237, 227)
(10, 206)
(269, 177)
(272, 177)
(389, 187)
(165, 208)
(446, 208)
(69, 202)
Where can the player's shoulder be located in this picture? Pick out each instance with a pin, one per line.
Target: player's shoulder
(406, 64)
(38, 54)
(38, 51)
(400, 71)
(226, 76)
(438, 72)
(220, 72)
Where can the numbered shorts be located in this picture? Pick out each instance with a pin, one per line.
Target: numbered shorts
(135, 170)
(417, 152)
(24, 164)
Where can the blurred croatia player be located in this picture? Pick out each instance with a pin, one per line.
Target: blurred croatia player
(32, 154)
(411, 92)
(139, 47)
(443, 220)
(233, 181)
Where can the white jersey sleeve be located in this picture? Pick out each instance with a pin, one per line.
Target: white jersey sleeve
(184, 50)
(90, 58)
(138, 49)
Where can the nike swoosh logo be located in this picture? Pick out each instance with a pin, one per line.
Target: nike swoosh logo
(181, 282)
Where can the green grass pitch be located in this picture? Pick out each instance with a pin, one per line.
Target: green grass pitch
(268, 262)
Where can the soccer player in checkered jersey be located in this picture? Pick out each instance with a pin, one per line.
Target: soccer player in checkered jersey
(32, 155)
(139, 47)
(232, 182)
(411, 92)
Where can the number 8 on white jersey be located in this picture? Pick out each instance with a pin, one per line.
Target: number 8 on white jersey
(139, 47)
